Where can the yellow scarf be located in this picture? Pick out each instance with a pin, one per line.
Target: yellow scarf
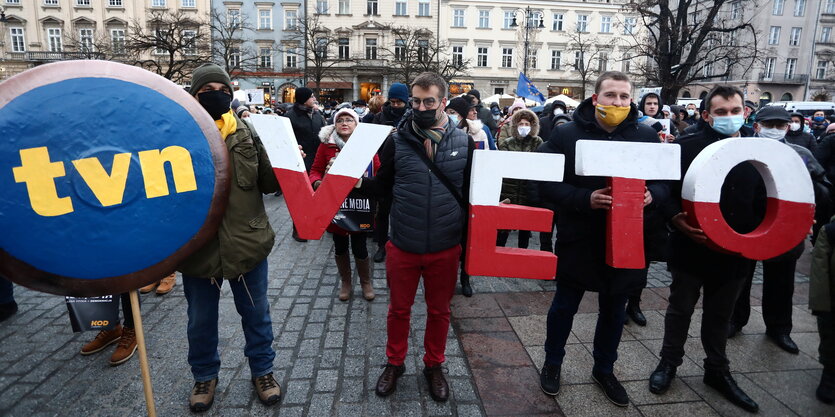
(227, 124)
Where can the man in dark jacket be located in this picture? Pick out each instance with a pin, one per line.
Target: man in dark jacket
(797, 136)
(694, 265)
(692, 114)
(427, 222)
(553, 113)
(307, 122)
(825, 153)
(582, 203)
(484, 114)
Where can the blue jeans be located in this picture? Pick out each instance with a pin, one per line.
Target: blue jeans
(203, 297)
(610, 319)
(6, 291)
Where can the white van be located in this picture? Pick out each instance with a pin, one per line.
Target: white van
(806, 108)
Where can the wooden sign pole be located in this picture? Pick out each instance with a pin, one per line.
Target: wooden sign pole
(143, 354)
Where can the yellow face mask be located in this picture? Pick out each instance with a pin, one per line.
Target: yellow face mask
(612, 115)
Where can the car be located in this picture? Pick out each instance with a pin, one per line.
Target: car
(806, 108)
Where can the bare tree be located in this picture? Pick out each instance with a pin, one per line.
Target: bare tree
(228, 47)
(586, 49)
(95, 46)
(317, 49)
(172, 44)
(688, 41)
(418, 50)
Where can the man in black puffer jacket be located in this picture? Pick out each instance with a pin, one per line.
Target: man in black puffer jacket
(427, 222)
(582, 203)
(307, 122)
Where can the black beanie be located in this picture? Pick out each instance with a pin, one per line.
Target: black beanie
(303, 94)
(461, 106)
(475, 93)
(208, 73)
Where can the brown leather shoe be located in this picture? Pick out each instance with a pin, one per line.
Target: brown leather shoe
(387, 382)
(102, 340)
(268, 389)
(126, 347)
(167, 284)
(438, 387)
(148, 288)
(202, 396)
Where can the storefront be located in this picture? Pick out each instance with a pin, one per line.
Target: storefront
(368, 90)
(457, 88)
(573, 92)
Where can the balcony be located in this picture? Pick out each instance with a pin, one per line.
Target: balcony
(371, 63)
(783, 78)
(41, 56)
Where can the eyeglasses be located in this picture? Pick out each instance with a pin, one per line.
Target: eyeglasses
(346, 120)
(428, 103)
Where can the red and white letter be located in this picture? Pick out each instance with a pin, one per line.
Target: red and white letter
(791, 199)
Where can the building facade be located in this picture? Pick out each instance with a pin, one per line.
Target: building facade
(263, 55)
(561, 37)
(40, 31)
(822, 73)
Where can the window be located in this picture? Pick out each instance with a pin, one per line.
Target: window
(774, 35)
(768, 70)
(578, 61)
(371, 48)
(556, 58)
(777, 10)
(707, 70)
(484, 19)
(830, 7)
(534, 19)
(401, 8)
(265, 58)
(605, 24)
(826, 33)
(602, 61)
(627, 64)
(321, 48)
(557, 22)
(54, 37)
(423, 50)
(190, 43)
(629, 25)
(820, 71)
(457, 55)
(508, 20)
(458, 18)
(188, 3)
(507, 57)
(371, 7)
(111, 3)
(291, 59)
(235, 57)
(50, 2)
(82, 2)
(291, 19)
(157, 3)
(344, 6)
(344, 49)
(85, 40)
(423, 8)
(794, 38)
(736, 10)
(322, 6)
(117, 40)
(18, 41)
(582, 23)
(481, 56)
(791, 67)
(161, 40)
(399, 50)
(233, 17)
(799, 7)
(265, 18)
(532, 58)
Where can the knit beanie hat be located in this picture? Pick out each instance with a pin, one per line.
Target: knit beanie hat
(399, 91)
(475, 93)
(303, 94)
(461, 106)
(208, 73)
(347, 111)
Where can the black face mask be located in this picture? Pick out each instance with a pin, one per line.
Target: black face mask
(424, 118)
(216, 102)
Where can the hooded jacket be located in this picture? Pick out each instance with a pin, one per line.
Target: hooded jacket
(306, 126)
(516, 189)
(581, 231)
(800, 137)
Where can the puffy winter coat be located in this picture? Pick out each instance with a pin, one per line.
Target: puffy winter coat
(512, 188)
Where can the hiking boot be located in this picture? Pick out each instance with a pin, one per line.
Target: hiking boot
(612, 388)
(202, 396)
(167, 284)
(343, 267)
(148, 288)
(549, 379)
(387, 382)
(438, 387)
(126, 347)
(267, 388)
(364, 271)
(102, 340)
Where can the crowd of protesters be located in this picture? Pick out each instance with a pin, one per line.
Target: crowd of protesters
(420, 227)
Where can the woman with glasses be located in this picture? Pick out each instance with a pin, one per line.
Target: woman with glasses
(333, 139)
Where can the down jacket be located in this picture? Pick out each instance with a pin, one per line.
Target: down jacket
(516, 189)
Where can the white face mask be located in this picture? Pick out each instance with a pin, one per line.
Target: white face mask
(794, 127)
(691, 112)
(360, 110)
(558, 111)
(771, 133)
(524, 130)
(454, 118)
(497, 116)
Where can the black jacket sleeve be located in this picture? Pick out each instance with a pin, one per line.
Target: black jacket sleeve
(380, 185)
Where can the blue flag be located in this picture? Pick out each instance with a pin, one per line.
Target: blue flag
(526, 89)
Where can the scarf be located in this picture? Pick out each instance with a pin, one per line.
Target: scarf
(432, 136)
(227, 124)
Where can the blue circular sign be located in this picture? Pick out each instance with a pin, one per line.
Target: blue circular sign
(109, 176)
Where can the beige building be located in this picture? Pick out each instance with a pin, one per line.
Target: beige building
(38, 31)
(491, 34)
(822, 73)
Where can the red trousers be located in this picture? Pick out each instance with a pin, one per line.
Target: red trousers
(404, 269)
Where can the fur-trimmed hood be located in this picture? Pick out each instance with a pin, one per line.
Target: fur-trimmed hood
(328, 134)
(517, 115)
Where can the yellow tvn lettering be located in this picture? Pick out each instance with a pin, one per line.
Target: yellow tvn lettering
(38, 172)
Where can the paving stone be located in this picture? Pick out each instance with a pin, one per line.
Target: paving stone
(697, 408)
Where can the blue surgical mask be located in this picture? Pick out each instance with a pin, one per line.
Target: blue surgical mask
(818, 118)
(454, 118)
(727, 125)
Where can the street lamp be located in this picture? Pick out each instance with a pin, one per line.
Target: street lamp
(529, 16)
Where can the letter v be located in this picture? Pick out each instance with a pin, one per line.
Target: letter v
(313, 212)
(108, 189)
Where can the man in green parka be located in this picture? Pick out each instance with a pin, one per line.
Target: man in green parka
(821, 302)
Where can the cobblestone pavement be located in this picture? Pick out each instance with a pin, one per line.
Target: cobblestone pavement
(329, 353)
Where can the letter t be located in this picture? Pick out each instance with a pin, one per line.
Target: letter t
(39, 174)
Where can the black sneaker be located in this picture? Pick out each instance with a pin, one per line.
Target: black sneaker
(611, 387)
(549, 379)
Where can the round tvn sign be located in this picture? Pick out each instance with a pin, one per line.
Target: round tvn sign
(109, 177)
